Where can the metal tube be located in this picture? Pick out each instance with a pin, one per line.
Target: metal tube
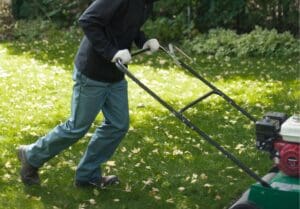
(139, 52)
(206, 82)
(189, 124)
(196, 101)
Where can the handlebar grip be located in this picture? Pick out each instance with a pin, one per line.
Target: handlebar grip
(134, 54)
(139, 52)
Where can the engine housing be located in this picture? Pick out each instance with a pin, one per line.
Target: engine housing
(280, 136)
(288, 149)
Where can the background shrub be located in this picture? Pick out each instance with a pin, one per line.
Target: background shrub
(192, 22)
(167, 29)
(182, 17)
(62, 11)
(6, 20)
(259, 42)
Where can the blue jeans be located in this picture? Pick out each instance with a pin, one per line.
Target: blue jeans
(89, 98)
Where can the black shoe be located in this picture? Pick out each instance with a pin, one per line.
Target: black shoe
(101, 183)
(29, 174)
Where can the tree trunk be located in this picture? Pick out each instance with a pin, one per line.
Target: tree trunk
(6, 19)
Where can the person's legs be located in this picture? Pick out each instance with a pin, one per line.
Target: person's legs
(108, 136)
(87, 100)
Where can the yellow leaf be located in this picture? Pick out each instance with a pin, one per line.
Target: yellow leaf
(157, 197)
(170, 200)
(92, 201)
(181, 189)
(218, 197)
(203, 176)
(8, 164)
(111, 163)
(96, 192)
(208, 185)
(135, 150)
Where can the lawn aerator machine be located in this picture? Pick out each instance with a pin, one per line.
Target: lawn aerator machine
(276, 133)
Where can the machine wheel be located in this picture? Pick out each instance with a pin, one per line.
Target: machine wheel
(245, 205)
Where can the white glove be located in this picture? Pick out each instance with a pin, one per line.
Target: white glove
(152, 44)
(124, 55)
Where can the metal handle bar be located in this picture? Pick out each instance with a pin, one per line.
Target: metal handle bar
(140, 51)
(206, 82)
(189, 124)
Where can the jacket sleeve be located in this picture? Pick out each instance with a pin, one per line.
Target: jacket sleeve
(140, 39)
(93, 22)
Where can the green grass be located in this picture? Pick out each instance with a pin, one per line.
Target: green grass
(162, 163)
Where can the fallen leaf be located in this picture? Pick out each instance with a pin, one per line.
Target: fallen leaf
(92, 201)
(128, 188)
(111, 163)
(181, 189)
(8, 164)
(203, 176)
(96, 192)
(135, 150)
(218, 197)
(157, 197)
(170, 200)
(208, 185)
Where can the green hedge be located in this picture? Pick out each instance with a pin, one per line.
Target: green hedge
(182, 17)
(191, 22)
(259, 42)
(244, 15)
(177, 20)
(62, 11)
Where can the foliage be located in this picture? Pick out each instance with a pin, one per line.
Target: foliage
(218, 42)
(259, 42)
(211, 14)
(268, 43)
(243, 15)
(62, 11)
(6, 20)
(239, 15)
(180, 18)
(167, 29)
(32, 30)
(170, 21)
(162, 164)
(34, 36)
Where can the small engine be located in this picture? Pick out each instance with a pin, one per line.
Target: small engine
(280, 136)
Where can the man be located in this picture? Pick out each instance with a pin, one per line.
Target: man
(110, 28)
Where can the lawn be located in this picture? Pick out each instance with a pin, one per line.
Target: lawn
(162, 164)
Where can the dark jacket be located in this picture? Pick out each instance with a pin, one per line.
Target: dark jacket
(109, 25)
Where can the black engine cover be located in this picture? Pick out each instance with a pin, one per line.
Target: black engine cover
(267, 130)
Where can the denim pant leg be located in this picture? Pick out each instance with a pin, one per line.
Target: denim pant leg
(87, 100)
(108, 136)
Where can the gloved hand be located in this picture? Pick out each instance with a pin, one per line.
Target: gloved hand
(152, 44)
(124, 55)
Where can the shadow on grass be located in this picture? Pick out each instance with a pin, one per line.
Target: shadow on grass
(54, 47)
(169, 155)
(59, 48)
(58, 191)
(161, 148)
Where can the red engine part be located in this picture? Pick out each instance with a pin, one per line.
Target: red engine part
(289, 154)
